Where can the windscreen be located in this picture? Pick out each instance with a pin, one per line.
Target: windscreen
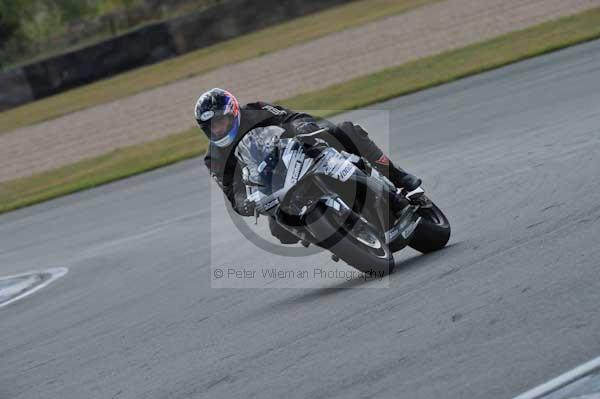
(260, 151)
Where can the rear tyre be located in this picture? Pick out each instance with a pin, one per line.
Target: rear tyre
(433, 232)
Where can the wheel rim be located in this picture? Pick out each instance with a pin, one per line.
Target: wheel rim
(358, 230)
(433, 215)
(367, 238)
(362, 233)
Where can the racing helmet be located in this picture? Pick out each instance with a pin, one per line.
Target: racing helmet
(218, 114)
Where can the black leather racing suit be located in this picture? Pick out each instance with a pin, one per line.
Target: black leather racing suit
(225, 168)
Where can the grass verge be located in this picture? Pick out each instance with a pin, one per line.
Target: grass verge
(359, 92)
(92, 172)
(203, 60)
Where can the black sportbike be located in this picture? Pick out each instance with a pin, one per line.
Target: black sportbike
(337, 201)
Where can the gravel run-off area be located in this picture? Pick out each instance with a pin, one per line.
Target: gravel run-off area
(333, 59)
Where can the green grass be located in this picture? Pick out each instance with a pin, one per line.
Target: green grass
(359, 92)
(92, 172)
(203, 60)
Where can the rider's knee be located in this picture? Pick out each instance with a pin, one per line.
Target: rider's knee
(356, 140)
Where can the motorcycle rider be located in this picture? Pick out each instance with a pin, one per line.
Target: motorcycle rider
(225, 123)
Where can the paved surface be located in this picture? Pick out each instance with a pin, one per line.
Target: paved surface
(314, 65)
(511, 156)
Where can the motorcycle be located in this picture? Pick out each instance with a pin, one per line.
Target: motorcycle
(337, 200)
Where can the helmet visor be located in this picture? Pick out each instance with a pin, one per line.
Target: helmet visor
(217, 127)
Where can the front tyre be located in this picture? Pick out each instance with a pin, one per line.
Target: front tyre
(356, 243)
(433, 232)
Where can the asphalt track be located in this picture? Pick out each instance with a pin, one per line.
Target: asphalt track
(512, 156)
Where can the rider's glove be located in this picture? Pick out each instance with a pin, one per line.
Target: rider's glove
(246, 208)
(269, 162)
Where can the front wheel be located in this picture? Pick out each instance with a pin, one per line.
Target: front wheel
(352, 240)
(433, 232)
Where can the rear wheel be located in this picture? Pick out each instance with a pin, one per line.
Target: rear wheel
(352, 240)
(433, 232)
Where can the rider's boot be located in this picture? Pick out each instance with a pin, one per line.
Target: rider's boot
(408, 183)
(398, 176)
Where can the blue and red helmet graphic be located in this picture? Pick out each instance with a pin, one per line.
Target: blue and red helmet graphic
(217, 104)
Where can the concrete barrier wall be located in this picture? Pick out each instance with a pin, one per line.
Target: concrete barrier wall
(148, 45)
(238, 17)
(144, 46)
(14, 89)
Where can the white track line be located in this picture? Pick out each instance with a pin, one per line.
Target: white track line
(54, 274)
(562, 380)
